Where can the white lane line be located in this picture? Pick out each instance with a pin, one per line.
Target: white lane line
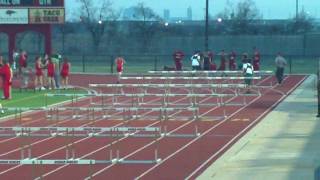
(206, 132)
(147, 145)
(243, 131)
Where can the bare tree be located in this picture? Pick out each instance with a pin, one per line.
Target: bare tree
(241, 17)
(147, 23)
(301, 24)
(94, 17)
(65, 29)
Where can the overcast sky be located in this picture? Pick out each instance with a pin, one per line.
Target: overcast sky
(271, 9)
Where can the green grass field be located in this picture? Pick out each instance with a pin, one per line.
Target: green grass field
(30, 98)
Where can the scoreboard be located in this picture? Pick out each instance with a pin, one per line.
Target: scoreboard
(32, 12)
(32, 3)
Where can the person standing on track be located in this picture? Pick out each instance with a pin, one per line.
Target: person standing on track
(256, 59)
(178, 57)
(232, 61)
(7, 74)
(213, 66)
(281, 63)
(195, 62)
(222, 66)
(119, 61)
(248, 70)
(23, 70)
(56, 58)
(50, 74)
(206, 61)
(39, 74)
(65, 71)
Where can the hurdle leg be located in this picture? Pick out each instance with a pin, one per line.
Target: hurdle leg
(33, 170)
(67, 152)
(46, 100)
(90, 170)
(20, 116)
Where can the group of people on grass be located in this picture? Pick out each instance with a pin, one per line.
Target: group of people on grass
(22, 70)
(54, 70)
(52, 64)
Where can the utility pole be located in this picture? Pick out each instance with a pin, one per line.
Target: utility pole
(206, 44)
(297, 10)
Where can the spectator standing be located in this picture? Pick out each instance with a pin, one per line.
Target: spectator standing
(206, 61)
(222, 66)
(232, 61)
(195, 62)
(56, 58)
(256, 59)
(178, 57)
(50, 74)
(38, 82)
(119, 61)
(65, 71)
(281, 63)
(23, 69)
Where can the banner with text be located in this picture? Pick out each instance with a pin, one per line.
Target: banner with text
(13, 16)
(46, 16)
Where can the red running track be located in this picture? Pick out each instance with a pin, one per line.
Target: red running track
(182, 158)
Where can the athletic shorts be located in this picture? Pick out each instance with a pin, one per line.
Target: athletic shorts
(248, 81)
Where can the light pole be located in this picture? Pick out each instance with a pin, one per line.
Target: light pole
(206, 44)
(297, 9)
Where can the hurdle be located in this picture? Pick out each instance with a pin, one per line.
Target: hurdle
(82, 132)
(35, 161)
(208, 72)
(191, 80)
(127, 112)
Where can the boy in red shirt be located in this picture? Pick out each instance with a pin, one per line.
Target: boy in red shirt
(119, 63)
(256, 60)
(232, 61)
(222, 66)
(178, 57)
(65, 70)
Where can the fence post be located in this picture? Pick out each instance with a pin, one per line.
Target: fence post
(111, 64)
(155, 63)
(318, 87)
(83, 64)
(290, 65)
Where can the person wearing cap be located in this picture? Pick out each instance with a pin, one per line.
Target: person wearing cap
(280, 65)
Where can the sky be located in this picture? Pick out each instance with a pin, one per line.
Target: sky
(270, 9)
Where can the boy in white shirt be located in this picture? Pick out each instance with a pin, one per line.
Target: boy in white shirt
(247, 69)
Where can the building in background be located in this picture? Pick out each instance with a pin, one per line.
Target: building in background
(166, 14)
(189, 13)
